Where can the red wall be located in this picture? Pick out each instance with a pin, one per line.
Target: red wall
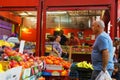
(118, 8)
(85, 4)
(63, 3)
(18, 3)
(77, 2)
(118, 16)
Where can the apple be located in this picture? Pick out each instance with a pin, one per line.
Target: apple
(27, 57)
(9, 51)
(23, 57)
(30, 59)
(13, 63)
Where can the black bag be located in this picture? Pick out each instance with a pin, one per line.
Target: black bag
(64, 55)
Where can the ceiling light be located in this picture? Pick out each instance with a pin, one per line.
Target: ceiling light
(29, 13)
(23, 14)
(57, 12)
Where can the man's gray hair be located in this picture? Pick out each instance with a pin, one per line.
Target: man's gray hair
(101, 23)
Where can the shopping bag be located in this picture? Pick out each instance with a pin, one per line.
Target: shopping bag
(103, 76)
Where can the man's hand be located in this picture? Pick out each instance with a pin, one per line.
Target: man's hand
(103, 69)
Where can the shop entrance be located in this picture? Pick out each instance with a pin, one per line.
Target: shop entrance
(77, 20)
(23, 24)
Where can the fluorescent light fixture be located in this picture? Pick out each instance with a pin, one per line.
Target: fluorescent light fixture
(57, 12)
(29, 13)
(23, 14)
(33, 19)
(89, 23)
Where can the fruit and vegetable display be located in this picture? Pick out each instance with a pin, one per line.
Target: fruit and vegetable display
(82, 70)
(82, 49)
(18, 59)
(84, 65)
(57, 61)
(5, 43)
(34, 66)
(56, 66)
(30, 64)
(1, 68)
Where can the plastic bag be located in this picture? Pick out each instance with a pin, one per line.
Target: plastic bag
(103, 76)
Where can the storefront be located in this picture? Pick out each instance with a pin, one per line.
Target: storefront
(42, 9)
(71, 13)
(35, 21)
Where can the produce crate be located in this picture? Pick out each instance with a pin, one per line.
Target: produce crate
(57, 78)
(74, 74)
(73, 66)
(54, 72)
(31, 73)
(84, 74)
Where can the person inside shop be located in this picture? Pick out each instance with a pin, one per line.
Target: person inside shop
(14, 39)
(117, 46)
(102, 53)
(116, 72)
(63, 38)
(1, 52)
(57, 49)
(73, 40)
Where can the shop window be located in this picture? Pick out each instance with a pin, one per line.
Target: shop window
(21, 23)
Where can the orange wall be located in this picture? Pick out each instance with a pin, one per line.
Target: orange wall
(11, 16)
(87, 33)
(66, 30)
(29, 35)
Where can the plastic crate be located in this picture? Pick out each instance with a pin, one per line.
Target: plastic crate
(74, 66)
(84, 74)
(73, 74)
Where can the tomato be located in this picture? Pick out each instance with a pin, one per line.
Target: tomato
(41, 78)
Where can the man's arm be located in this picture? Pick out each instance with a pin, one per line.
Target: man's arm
(105, 58)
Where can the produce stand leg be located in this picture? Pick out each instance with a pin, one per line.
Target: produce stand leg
(70, 54)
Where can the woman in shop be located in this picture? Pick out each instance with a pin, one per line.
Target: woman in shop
(14, 39)
(57, 49)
